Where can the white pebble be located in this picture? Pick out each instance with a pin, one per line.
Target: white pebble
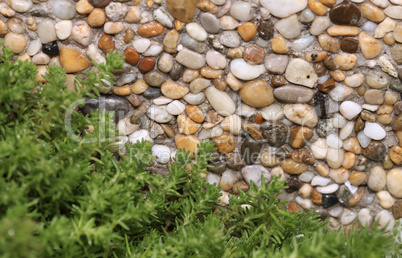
(163, 16)
(34, 47)
(370, 107)
(228, 23)
(176, 108)
(241, 11)
(374, 131)
(213, 179)
(63, 29)
(215, 60)
(254, 173)
(304, 203)
(306, 176)
(365, 217)
(46, 31)
(40, 59)
(116, 11)
(350, 109)
(284, 8)
(154, 50)
(334, 141)
(273, 112)
(303, 43)
(319, 148)
(220, 101)
(227, 180)
(289, 27)
(244, 71)
(196, 31)
(162, 100)
(139, 135)
(20, 6)
(364, 140)
(348, 217)
(246, 111)
(125, 127)
(159, 114)
(354, 80)
(384, 217)
(194, 99)
(332, 188)
(340, 92)
(394, 12)
(63, 9)
(161, 153)
(321, 181)
(113, 27)
(95, 55)
(336, 212)
(81, 33)
(346, 130)
(141, 45)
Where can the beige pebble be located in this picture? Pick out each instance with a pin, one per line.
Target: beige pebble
(278, 45)
(6, 10)
(399, 136)
(352, 144)
(15, 25)
(234, 83)
(317, 7)
(292, 167)
(398, 32)
(346, 61)
(356, 197)
(396, 154)
(385, 198)
(388, 25)
(3, 28)
(394, 182)
(16, 42)
(31, 23)
(315, 56)
(81, 33)
(173, 90)
(349, 160)
(122, 90)
(377, 179)
(372, 12)
(210, 73)
(328, 43)
(113, 27)
(133, 15)
(343, 30)
(389, 39)
(340, 175)
(269, 160)
(369, 46)
(321, 169)
(189, 75)
(391, 97)
(384, 114)
(42, 70)
(337, 75)
(139, 86)
(232, 124)
(305, 191)
(83, 7)
(170, 41)
(186, 125)
(97, 17)
(235, 53)
(24, 57)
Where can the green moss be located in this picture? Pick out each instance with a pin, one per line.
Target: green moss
(63, 198)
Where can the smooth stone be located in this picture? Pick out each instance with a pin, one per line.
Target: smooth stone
(329, 200)
(289, 27)
(220, 101)
(242, 11)
(374, 131)
(230, 39)
(303, 43)
(63, 9)
(363, 139)
(376, 151)
(154, 78)
(273, 112)
(388, 25)
(300, 72)
(345, 13)
(354, 80)
(319, 148)
(152, 92)
(162, 153)
(34, 47)
(212, 178)
(335, 157)
(348, 217)
(319, 25)
(73, 60)
(165, 63)
(266, 30)
(190, 59)
(196, 31)
(46, 31)
(340, 92)
(187, 142)
(250, 150)
(254, 173)
(336, 212)
(162, 101)
(256, 94)
(215, 60)
(350, 109)
(177, 71)
(284, 8)
(365, 217)
(334, 141)
(293, 94)
(232, 124)
(111, 103)
(244, 71)
(193, 44)
(140, 135)
(394, 182)
(307, 176)
(228, 23)
(194, 99)
(199, 85)
(141, 45)
(16, 42)
(343, 194)
(20, 6)
(159, 114)
(81, 33)
(340, 175)
(385, 198)
(396, 53)
(377, 79)
(99, 3)
(394, 12)
(301, 114)
(228, 179)
(369, 46)
(174, 90)
(385, 219)
(183, 10)
(210, 23)
(329, 189)
(175, 108)
(320, 181)
(276, 63)
(292, 167)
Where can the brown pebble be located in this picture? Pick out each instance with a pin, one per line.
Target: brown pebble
(359, 124)
(345, 13)
(356, 197)
(225, 143)
(396, 154)
(195, 113)
(207, 6)
(299, 135)
(150, 29)
(374, 97)
(99, 3)
(183, 10)
(244, 187)
(254, 54)
(253, 131)
(361, 90)
(146, 64)
(293, 207)
(220, 84)
(128, 35)
(349, 45)
(278, 80)
(397, 210)
(357, 178)
(132, 56)
(303, 156)
(73, 60)
(292, 167)
(169, 131)
(247, 31)
(134, 100)
(259, 119)
(316, 197)
(327, 86)
(319, 69)
(330, 63)
(106, 43)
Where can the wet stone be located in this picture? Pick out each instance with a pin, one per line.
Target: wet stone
(293, 183)
(329, 200)
(152, 93)
(345, 13)
(275, 133)
(343, 194)
(218, 167)
(324, 127)
(107, 102)
(266, 30)
(250, 150)
(349, 45)
(51, 49)
(375, 151)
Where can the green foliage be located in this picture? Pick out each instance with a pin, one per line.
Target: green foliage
(62, 196)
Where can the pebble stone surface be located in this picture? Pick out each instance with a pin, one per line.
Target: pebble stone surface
(307, 90)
